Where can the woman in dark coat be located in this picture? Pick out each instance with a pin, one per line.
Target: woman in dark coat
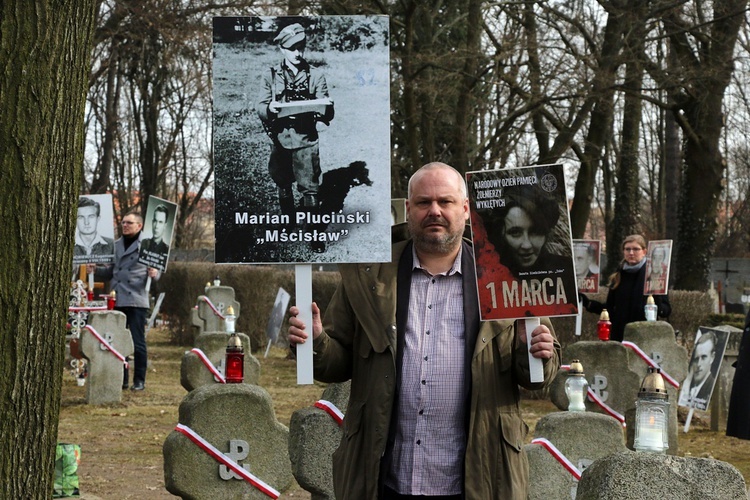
(738, 423)
(625, 300)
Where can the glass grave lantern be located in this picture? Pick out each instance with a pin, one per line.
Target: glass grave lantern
(229, 320)
(603, 326)
(576, 387)
(235, 360)
(652, 414)
(650, 309)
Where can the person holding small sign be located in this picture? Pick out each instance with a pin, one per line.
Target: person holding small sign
(128, 280)
(434, 404)
(625, 300)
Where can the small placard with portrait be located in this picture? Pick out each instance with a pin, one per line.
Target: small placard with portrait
(704, 368)
(95, 231)
(158, 228)
(587, 257)
(657, 267)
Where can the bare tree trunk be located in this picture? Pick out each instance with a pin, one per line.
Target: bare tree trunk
(672, 175)
(600, 125)
(626, 219)
(700, 117)
(45, 52)
(466, 104)
(101, 183)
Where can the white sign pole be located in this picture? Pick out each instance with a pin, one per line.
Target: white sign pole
(303, 292)
(688, 419)
(148, 284)
(579, 318)
(536, 367)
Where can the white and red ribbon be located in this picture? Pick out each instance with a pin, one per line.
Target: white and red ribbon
(608, 409)
(207, 362)
(651, 363)
(106, 344)
(559, 457)
(212, 306)
(225, 460)
(331, 409)
(87, 309)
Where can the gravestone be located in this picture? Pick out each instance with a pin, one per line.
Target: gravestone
(615, 372)
(657, 340)
(105, 370)
(652, 476)
(193, 373)
(313, 437)
(607, 370)
(221, 297)
(582, 437)
(238, 420)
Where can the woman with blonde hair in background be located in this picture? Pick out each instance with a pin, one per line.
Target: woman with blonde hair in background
(625, 300)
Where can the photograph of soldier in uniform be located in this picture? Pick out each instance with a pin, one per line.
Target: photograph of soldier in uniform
(703, 370)
(302, 139)
(94, 236)
(158, 227)
(295, 152)
(587, 255)
(657, 267)
(521, 232)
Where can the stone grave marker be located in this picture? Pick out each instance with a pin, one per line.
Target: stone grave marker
(581, 437)
(651, 476)
(105, 370)
(313, 437)
(221, 297)
(238, 420)
(193, 373)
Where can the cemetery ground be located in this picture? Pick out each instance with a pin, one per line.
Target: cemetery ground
(121, 445)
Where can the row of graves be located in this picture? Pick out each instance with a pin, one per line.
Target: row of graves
(216, 451)
(615, 436)
(622, 401)
(616, 433)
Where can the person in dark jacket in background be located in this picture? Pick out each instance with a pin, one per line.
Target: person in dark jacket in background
(625, 300)
(738, 422)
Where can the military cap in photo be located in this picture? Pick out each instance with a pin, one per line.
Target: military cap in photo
(291, 35)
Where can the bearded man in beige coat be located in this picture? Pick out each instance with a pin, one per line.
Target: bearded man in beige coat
(434, 404)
